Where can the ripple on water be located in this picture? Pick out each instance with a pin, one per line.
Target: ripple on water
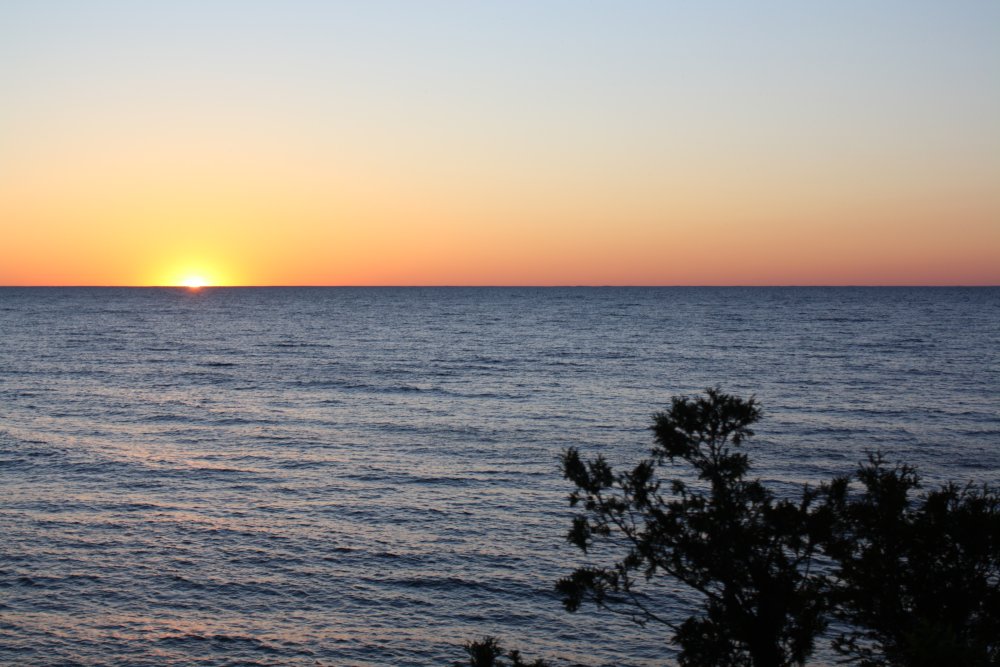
(370, 477)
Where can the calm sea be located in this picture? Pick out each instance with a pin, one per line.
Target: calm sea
(370, 476)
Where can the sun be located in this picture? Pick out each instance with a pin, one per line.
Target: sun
(192, 275)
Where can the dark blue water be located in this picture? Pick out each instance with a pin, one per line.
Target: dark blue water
(370, 476)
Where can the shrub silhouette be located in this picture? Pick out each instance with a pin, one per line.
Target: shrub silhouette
(917, 580)
(723, 536)
(488, 652)
(912, 580)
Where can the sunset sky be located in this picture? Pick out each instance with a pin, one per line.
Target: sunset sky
(499, 143)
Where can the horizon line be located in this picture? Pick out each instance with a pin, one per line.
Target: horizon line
(507, 286)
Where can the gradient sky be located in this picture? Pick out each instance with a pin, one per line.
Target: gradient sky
(395, 143)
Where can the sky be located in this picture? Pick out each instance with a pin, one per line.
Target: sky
(499, 143)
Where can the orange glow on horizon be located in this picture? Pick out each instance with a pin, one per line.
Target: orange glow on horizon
(278, 222)
(193, 274)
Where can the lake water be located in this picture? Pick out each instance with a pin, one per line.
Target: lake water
(340, 476)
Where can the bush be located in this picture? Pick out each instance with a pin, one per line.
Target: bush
(917, 579)
(914, 581)
(722, 536)
(488, 652)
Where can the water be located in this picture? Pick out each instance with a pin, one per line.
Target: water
(370, 476)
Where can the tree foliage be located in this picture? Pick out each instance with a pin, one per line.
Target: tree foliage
(488, 652)
(912, 579)
(917, 579)
(723, 535)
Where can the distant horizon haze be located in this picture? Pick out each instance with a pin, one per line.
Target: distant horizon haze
(515, 286)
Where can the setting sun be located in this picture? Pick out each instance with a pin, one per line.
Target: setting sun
(194, 282)
(194, 273)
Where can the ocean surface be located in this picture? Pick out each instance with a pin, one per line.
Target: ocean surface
(341, 476)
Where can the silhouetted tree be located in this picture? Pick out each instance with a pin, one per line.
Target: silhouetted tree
(913, 581)
(724, 537)
(917, 580)
(488, 652)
